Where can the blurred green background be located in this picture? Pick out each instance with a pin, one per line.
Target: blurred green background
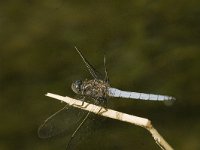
(151, 46)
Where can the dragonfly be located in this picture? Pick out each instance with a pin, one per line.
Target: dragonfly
(98, 90)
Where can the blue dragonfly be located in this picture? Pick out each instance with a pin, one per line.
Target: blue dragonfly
(98, 90)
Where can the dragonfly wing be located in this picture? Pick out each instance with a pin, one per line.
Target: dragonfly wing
(62, 120)
(113, 92)
(90, 68)
(86, 135)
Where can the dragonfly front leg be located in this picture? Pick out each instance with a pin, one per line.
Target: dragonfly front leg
(82, 104)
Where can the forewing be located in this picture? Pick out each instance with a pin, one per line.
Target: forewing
(90, 68)
(62, 121)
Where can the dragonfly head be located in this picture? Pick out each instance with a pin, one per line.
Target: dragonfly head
(76, 86)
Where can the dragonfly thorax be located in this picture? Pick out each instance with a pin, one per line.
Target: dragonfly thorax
(95, 88)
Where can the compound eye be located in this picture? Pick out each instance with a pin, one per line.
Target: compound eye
(78, 82)
(76, 86)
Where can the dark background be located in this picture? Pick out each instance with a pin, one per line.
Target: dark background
(151, 46)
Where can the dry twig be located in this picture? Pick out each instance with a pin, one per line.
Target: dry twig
(143, 122)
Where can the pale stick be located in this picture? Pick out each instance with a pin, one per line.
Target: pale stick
(143, 122)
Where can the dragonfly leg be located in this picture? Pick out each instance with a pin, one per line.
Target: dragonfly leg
(100, 110)
(103, 103)
(106, 73)
(74, 133)
(82, 104)
(100, 101)
(82, 99)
